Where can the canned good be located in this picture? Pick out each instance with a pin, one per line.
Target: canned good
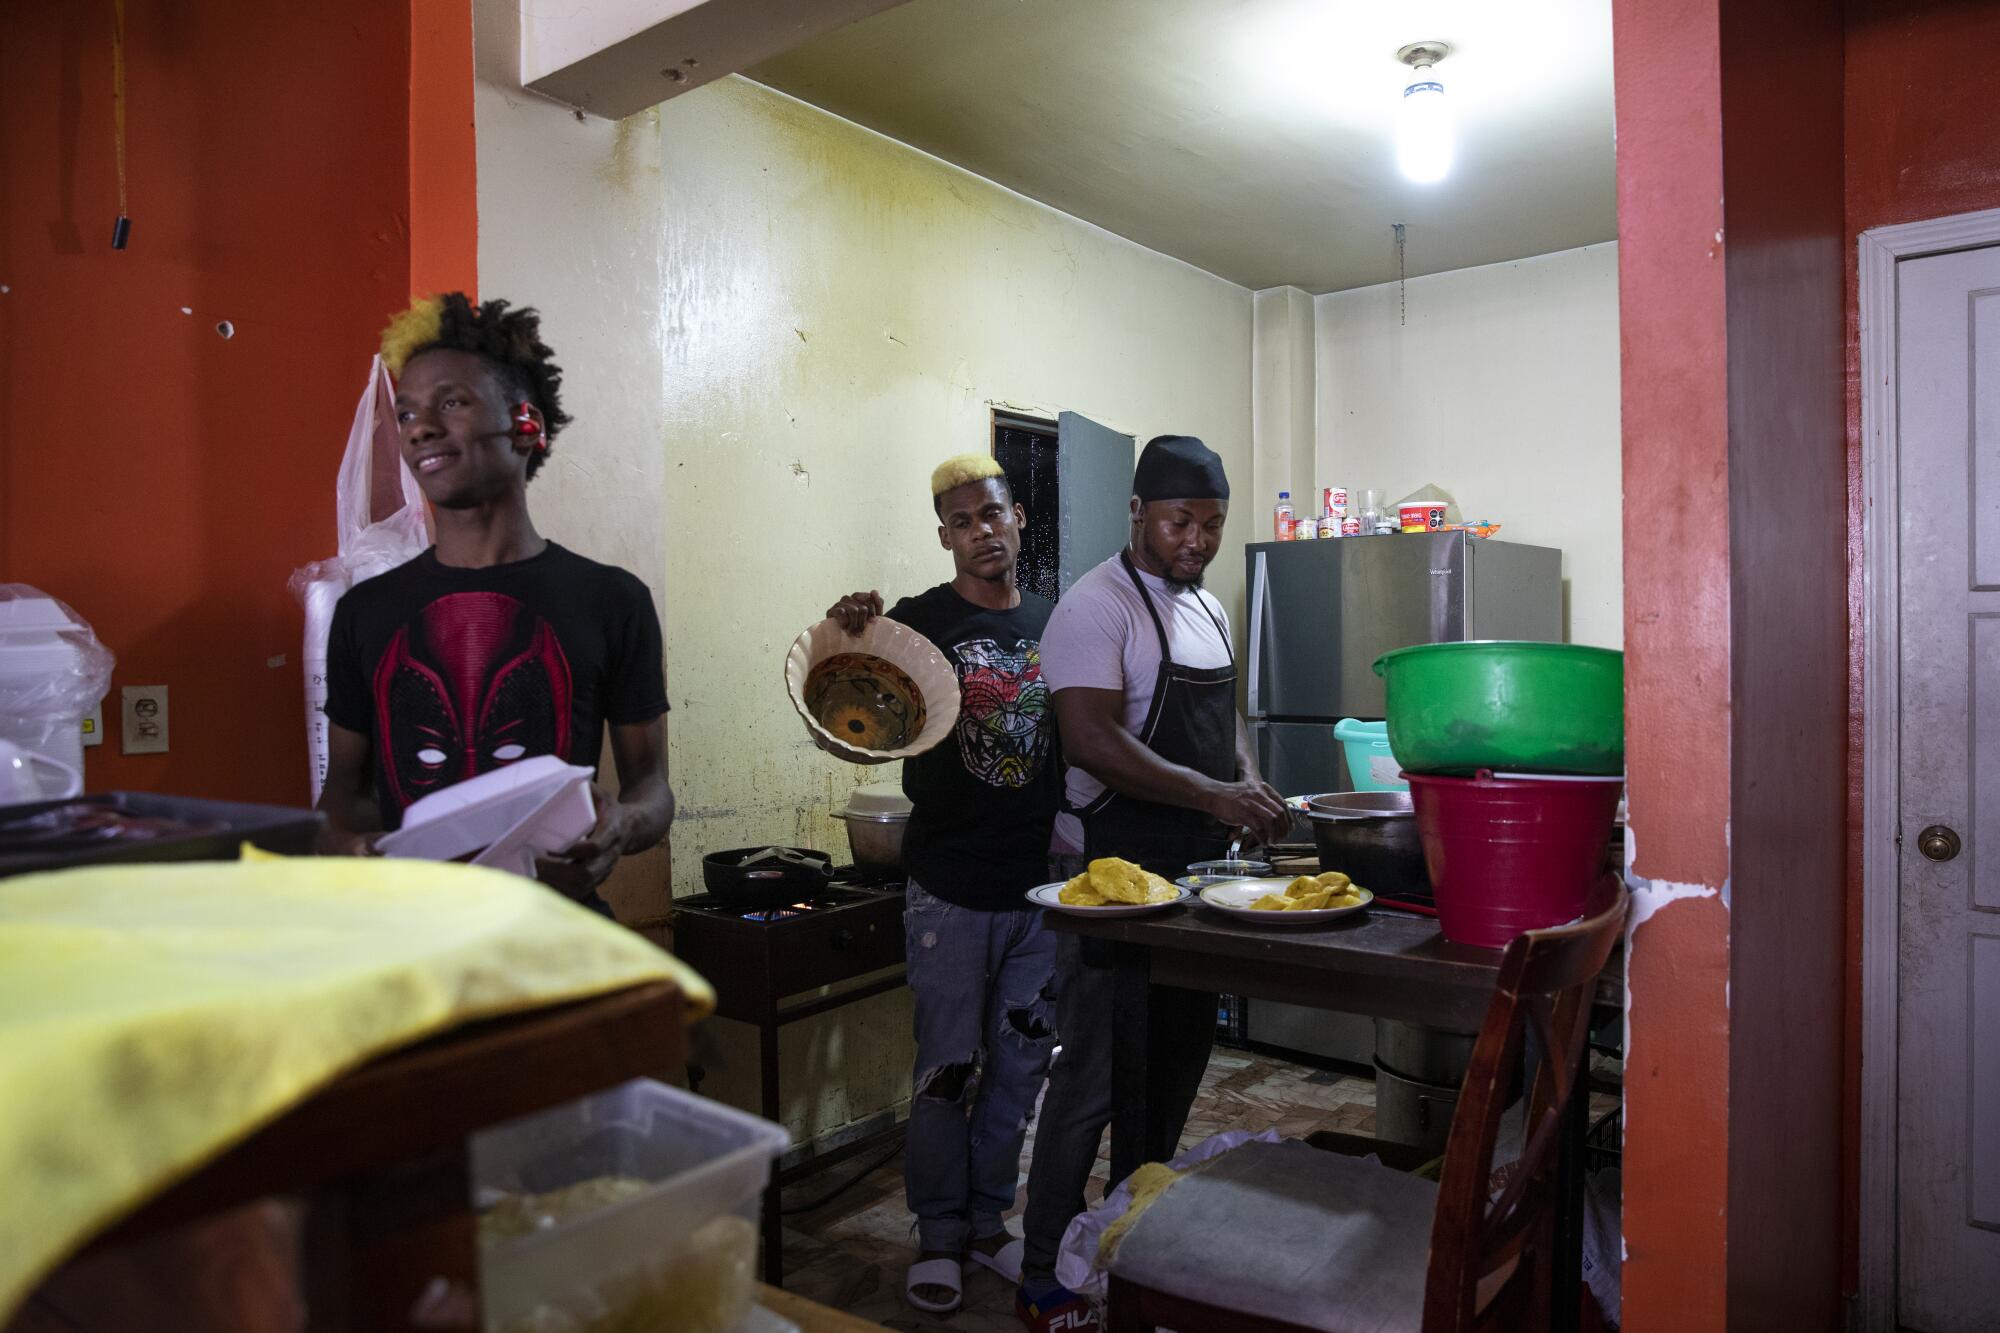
(1304, 530)
(1350, 526)
(1333, 500)
(1329, 526)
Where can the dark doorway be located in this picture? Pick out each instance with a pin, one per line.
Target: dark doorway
(1025, 448)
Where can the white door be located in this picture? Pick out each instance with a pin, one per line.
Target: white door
(1948, 1058)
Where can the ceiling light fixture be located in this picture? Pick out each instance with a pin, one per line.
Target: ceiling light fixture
(1423, 131)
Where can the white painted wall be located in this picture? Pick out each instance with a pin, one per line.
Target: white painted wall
(569, 222)
(1503, 389)
(1283, 405)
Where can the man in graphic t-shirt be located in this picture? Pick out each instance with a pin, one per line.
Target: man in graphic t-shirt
(980, 961)
(496, 644)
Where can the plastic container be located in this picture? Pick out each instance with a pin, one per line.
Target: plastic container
(1282, 518)
(1455, 708)
(1421, 515)
(1507, 856)
(53, 671)
(541, 803)
(1370, 763)
(699, 1161)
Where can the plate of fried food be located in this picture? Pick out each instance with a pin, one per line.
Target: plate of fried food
(1110, 887)
(1307, 900)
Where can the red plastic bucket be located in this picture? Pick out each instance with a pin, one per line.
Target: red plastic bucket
(1514, 854)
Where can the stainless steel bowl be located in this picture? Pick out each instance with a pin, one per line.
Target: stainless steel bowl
(1360, 805)
(876, 841)
(1372, 837)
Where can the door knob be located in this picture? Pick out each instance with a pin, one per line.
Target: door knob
(1938, 843)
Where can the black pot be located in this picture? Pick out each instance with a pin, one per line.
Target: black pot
(1385, 856)
(752, 883)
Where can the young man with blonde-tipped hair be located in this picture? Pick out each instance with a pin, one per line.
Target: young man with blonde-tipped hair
(981, 965)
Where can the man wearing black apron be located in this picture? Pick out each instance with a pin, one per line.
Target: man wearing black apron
(1161, 774)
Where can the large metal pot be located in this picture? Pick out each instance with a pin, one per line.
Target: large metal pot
(876, 817)
(1371, 837)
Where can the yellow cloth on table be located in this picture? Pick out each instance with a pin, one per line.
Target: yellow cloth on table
(152, 1016)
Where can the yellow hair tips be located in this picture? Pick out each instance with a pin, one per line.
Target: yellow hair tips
(963, 471)
(417, 327)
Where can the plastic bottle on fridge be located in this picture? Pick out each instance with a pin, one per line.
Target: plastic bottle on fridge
(1282, 520)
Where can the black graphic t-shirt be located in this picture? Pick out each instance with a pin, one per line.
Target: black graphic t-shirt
(985, 801)
(455, 672)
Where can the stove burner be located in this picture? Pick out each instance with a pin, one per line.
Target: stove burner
(778, 913)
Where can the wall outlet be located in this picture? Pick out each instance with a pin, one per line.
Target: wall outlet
(142, 725)
(93, 727)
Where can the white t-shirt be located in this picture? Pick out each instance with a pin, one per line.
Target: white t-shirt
(1101, 638)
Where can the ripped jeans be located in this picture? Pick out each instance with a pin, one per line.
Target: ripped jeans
(985, 1024)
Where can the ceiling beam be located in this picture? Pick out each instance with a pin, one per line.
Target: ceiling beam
(613, 58)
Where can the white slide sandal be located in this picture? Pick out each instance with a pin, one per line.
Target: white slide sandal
(1006, 1261)
(935, 1273)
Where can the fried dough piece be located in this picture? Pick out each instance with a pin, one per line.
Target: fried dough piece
(1332, 879)
(1159, 889)
(1118, 880)
(1311, 902)
(1079, 893)
(1302, 887)
(1271, 902)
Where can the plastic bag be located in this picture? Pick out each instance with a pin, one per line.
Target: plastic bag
(1431, 494)
(1076, 1259)
(383, 522)
(53, 671)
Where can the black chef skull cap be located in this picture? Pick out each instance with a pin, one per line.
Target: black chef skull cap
(1179, 467)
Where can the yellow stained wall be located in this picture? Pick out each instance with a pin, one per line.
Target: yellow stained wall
(826, 314)
(843, 312)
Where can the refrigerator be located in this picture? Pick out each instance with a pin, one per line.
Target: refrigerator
(1320, 613)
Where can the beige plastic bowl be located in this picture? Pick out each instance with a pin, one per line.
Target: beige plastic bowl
(856, 710)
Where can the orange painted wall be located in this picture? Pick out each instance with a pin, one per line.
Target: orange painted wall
(1922, 141)
(444, 153)
(162, 479)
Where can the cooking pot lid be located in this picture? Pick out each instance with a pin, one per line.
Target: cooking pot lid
(878, 799)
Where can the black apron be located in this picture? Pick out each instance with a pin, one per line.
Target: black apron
(1192, 722)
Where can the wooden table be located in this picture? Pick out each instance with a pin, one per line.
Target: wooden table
(381, 1158)
(1382, 963)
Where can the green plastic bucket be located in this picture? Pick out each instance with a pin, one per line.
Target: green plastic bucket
(1455, 708)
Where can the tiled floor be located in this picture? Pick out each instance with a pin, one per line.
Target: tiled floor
(851, 1252)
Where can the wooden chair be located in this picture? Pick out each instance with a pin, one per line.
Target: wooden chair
(1343, 1239)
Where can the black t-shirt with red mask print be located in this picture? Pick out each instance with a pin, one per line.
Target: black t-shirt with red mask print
(456, 672)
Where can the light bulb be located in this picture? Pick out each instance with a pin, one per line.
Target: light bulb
(1423, 136)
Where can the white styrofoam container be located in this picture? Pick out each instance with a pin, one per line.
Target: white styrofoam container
(475, 814)
(704, 1158)
(565, 816)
